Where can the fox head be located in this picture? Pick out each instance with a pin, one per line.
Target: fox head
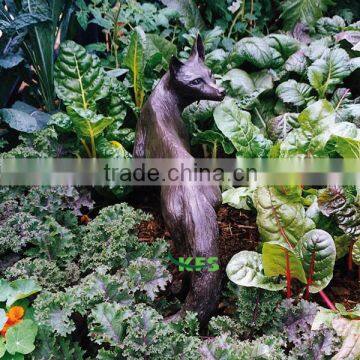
(192, 79)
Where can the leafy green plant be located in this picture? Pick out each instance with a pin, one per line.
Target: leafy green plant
(33, 26)
(17, 326)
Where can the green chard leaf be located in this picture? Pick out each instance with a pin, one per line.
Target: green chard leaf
(280, 215)
(356, 252)
(79, 78)
(328, 71)
(236, 125)
(294, 93)
(318, 253)
(246, 269)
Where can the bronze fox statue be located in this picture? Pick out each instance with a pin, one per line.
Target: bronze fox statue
(188, 210)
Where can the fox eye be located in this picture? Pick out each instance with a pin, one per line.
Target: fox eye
(196, 82)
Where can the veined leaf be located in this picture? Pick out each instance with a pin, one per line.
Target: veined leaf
(241, 84)
(356, 252)
(280, 215)
(19, 289)
(236, 125)
(134, 60)
(246, 269)
(294, 93)
(237, 197)
(332, 202)
(297, 63)
(305, 11)
(274, 258)
(328, 71)
(317, 252)
(79, 78)
(284, 44)
(347, 147)
(254, 50)
(279, 126)
(111, 149)
(108, 323)
(21, 337)
(86, 123)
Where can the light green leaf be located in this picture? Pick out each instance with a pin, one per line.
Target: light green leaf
(3, 318)
(87, 123)
(284, 44)
(237, 197)
(21, 289)
(328, 71)
(111, 149)
(21, 337)
(349, 330)
(274, 260)
(356, 252)
(5, 290)
(156, 44)
(317, 252)
(347, 147)
(134, 60)
(246, 269)
(2, 347)
(280, 215)
(305, 11)
(254, 50)
(342, 244)
(108, 323)
(79, 78)
(236, 125)
(294, 93)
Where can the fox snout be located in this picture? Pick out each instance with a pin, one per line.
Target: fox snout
(217, 93)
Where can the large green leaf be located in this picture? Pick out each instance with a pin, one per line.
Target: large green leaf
(189, 12)
(20, 289)
(79, 78)
(236, 125)
(254, 50)
(305, 11)
(156, 44)
(246, 269)
(274, 258)
(108, 323)
(237, 197)
(87, 123)
(240, 83)
(294, 93)
(2, 347)
(134, 60)
(328, 71)
(284, 44)
(280, 215)
(346, 147)
(317, 252)
(21, 337)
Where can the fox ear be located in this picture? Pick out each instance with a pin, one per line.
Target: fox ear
(198, 48)
(175, 66)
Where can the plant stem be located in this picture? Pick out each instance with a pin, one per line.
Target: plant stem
(88, 152)
(251, 11)
(309, 280)
(288, 275)
(214, 150)
(350, 261)
(327, 301)
(236, 18)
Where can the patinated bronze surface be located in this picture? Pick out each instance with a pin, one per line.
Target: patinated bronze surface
(188, 210)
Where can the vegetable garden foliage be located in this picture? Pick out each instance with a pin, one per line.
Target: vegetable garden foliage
(74, 290)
